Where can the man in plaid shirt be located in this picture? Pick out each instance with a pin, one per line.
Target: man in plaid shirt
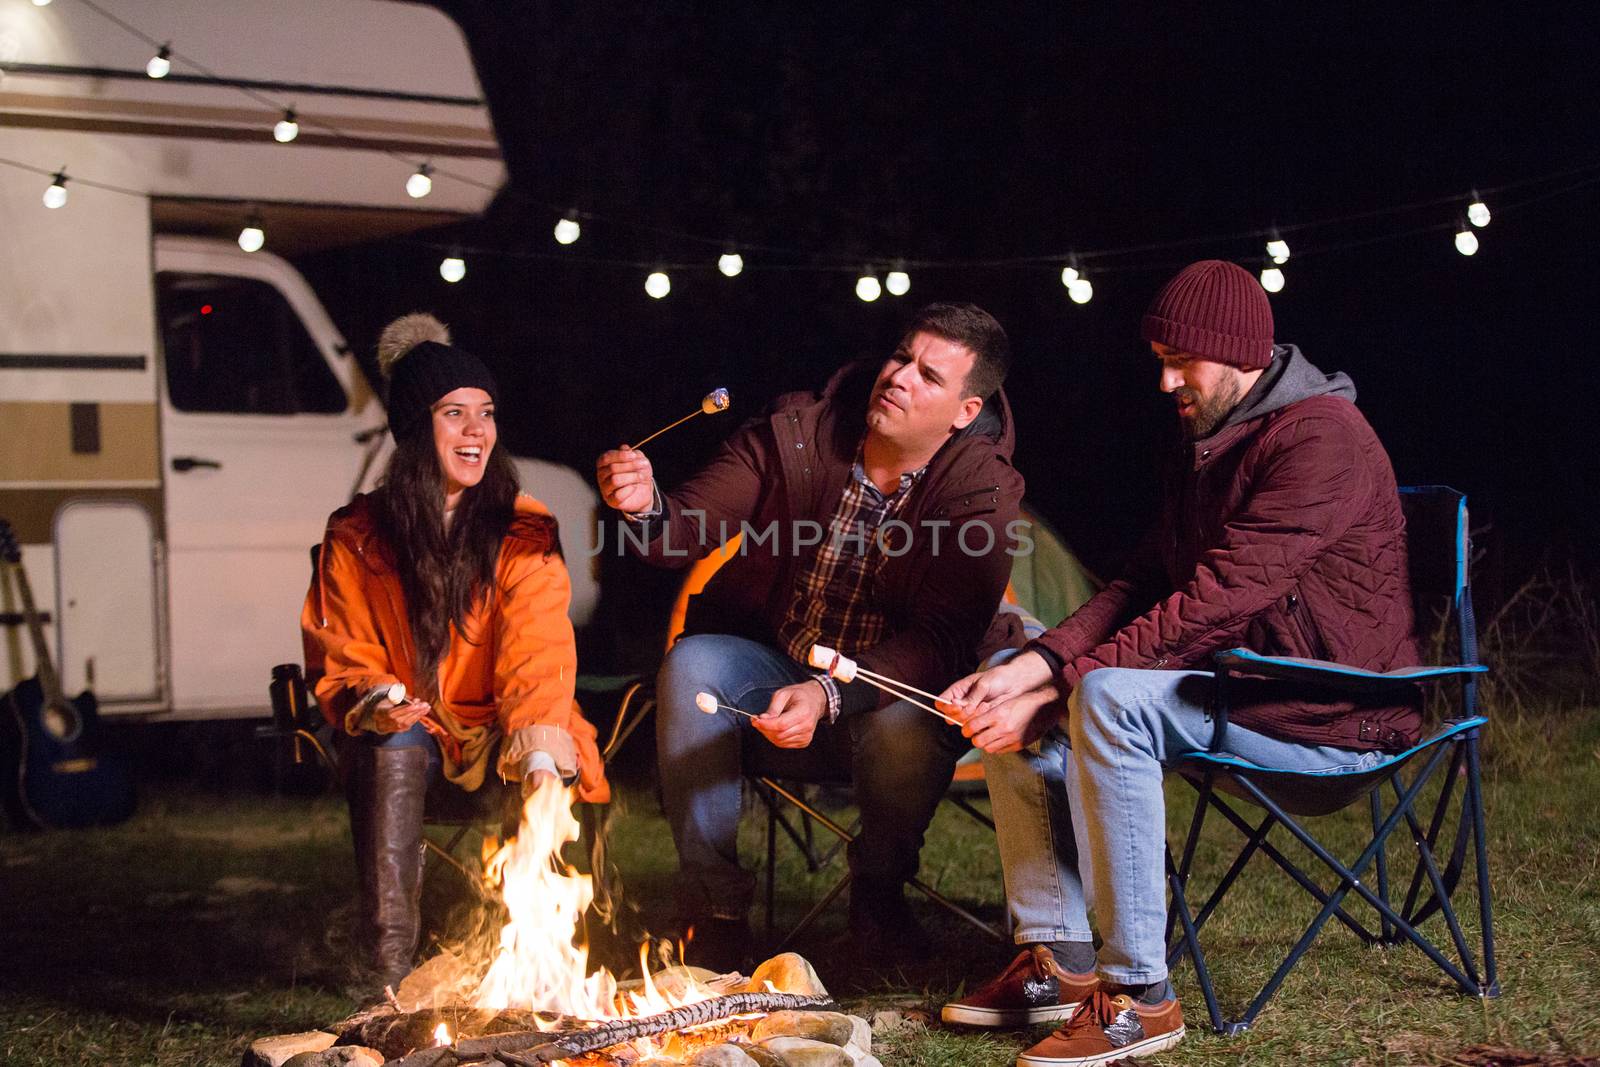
(876, 519)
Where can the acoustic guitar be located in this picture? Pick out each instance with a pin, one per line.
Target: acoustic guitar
(62, 777)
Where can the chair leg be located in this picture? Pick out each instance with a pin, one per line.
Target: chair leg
(1179, 909)
(1195, 822)
(1411, 913)
(1490, 985)
(1385, 931)
(772, 859)
(1350, 879)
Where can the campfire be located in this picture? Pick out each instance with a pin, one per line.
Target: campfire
(530, 999)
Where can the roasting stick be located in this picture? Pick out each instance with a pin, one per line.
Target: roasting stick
(713, 402)
(847, 670)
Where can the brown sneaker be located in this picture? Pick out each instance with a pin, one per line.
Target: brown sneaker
(1106, 1029)
(1032, 989)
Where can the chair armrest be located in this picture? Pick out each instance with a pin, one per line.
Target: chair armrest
(1337, 675)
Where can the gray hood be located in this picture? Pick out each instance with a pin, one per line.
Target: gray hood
(1288, 379)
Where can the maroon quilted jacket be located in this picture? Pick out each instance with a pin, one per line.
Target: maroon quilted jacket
(1281, 532)
(793, 464)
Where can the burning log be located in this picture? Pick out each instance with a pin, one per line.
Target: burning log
(397, 1033)
(542, 1048)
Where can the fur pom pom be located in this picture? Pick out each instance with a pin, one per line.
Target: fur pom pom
(404, 334)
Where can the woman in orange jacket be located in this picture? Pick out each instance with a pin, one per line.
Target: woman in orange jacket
(450, 583)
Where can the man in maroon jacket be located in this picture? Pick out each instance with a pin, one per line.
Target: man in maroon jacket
(1282, 532)
(876, 520)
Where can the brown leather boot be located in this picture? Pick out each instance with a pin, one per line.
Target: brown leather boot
(386, 789)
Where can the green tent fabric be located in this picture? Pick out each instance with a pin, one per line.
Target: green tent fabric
(1050, 583)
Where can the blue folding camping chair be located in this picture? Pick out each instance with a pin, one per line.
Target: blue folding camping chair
(1437, 535)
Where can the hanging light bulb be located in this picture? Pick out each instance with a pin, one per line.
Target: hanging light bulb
(567, 229)
(252, 237)
(1478, 211)
(1272, 279)
(898, 282)
(1278, 249)
(1080, 290)
(287, 129)
(420, 184)
(868, 288)
(41, 3)
(658, 284)
(453, 268)
(1466, 240)
(730, 264)
(55, 195)
(1068, 276)
(160, 64)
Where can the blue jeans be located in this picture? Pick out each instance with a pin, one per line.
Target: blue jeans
(1083, 809)
(898, 757)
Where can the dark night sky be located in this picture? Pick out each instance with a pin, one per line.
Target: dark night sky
(967, 131)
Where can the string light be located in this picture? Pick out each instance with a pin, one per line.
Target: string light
(1080, 290)
(41, 3)
(55, 194)
(252, 237)
(658, 284)
(867, 287)
(160, 64)
(1478, 211)
(1278, 249)
(898, 282)
(453, 268)
(567, 229)
(420, 184)
(1068, 276)
(1466, 240)
(730, 264)
(287, 128)
(1272, 279)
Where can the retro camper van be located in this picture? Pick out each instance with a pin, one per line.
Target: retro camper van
(178, 415)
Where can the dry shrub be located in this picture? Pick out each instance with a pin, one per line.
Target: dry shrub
(1541, 643)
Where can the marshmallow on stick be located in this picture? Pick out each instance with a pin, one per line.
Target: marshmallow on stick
(713, 402)
(709, 704)
(845, 669)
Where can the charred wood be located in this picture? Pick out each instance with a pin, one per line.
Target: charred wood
(542, 1048)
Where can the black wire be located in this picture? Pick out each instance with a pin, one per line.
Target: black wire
(828, 262)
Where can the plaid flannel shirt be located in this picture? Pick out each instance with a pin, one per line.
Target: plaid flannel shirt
(833, 601)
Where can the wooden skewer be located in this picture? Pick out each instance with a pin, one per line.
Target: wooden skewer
(920, 692)
(873, 679)
(715, 401)
(846, 669)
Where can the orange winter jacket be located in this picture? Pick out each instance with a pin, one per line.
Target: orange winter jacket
(509, 672)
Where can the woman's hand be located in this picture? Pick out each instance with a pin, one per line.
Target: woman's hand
(390, 718)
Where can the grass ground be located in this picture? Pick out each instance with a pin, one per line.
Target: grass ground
(204, 922)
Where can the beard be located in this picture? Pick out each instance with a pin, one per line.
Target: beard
(1209, 411)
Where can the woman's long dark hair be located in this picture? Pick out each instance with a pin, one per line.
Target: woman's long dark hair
(442, 572)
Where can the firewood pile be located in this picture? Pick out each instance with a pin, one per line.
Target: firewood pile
(781, 1016)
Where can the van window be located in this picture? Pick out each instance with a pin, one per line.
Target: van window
(235, 345)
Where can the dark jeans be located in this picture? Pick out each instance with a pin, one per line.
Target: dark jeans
(899, 759)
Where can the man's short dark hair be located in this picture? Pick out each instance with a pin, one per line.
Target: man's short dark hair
(974, 329)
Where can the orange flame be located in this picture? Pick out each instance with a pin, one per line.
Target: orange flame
(538, 966)
(441, 1035)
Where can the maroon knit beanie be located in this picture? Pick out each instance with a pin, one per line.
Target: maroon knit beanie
(1215, 310)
